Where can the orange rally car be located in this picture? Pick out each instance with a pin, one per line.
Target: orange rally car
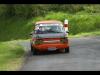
(49, 35)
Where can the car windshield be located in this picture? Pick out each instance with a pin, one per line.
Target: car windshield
(53, 28)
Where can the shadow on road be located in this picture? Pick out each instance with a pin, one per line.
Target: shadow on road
(45, 53)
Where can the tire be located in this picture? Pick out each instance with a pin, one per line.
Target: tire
(33, 50)
(67, 50)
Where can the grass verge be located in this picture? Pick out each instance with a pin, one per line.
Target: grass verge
(11, 56)
(86, 34)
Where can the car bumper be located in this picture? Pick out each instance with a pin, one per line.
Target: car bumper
(44, 47)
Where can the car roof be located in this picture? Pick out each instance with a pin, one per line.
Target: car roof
(49, 21)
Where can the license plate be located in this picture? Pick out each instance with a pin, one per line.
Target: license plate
(52, 49)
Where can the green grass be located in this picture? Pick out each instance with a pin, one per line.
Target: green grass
(11, 56)
(86, 34)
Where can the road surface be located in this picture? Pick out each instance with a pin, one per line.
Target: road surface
(84, 56)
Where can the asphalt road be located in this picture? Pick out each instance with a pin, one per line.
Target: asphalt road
(84, 56)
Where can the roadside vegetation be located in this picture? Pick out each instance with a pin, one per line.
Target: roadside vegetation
(11, 56)
(19, 28)
(86, 34)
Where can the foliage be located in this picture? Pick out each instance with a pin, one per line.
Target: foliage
(11, 56)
